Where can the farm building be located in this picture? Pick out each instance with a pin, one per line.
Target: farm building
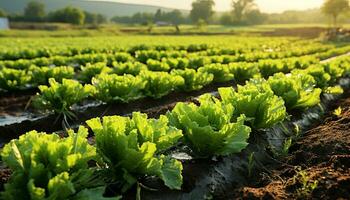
(4, 23)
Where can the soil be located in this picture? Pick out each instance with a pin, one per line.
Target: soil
(318, 166)
(14, 106)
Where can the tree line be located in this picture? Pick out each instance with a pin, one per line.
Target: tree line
(243, 12)
(35, 12)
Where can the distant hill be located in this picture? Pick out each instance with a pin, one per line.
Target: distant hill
(106, 8)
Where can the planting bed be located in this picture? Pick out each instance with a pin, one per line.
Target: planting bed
(321, 156)
(176, 121)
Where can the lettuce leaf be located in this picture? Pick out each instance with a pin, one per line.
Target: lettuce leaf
(46, 166)
(111, 87)
(208, 129)
(131, 148)
(159, 84)
(297, 90)
(221, 72)
(257, 102)
(193, 80)
(59, 97)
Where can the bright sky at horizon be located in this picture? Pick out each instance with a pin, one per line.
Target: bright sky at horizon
(225, 5)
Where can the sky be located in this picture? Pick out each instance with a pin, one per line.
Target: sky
(269, 6)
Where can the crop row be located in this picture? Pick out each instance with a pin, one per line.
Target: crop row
(12, 79)
(15, 51)
(109, 88)
(127, 149)
(222, 55)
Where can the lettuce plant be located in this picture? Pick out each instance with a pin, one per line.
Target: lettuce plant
(155, 65)
(60, 73)
(143, 56)
(193, 80)
(40, 75)
(335, 71)
(46, 166)
(209, 129)
(111, 88)
(159, 84)
(198, 61)
(59, 97)
(321, 77)
(257, 102)
(12, 79)
(270, 67)
(131, 148)
(221, 72)
(243, 71)
(297, 90)
(90, 70)
(133, 68)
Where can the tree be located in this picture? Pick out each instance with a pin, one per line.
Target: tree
(254, 17)
(94, 18)
(202, 9)
(69, 15)
(2, 13)
(226, 19)
(158, 16)
(175, 17)
(240, 8)
(101, 19)
(334, 8)
(34, 11)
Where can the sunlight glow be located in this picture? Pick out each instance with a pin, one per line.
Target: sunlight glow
(225, 5)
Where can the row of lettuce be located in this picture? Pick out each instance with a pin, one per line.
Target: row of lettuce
(16, 51)
(17, 79)
(128, 149)
(224, 55)
(21, 75)
(112, 88)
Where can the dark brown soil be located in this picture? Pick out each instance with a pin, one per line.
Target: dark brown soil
(5, 174)
(13, 104)
(318, 166)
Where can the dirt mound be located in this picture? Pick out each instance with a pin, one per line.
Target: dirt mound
(318, 166)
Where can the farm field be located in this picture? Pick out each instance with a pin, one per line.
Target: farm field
(24, 30)
(174, 117)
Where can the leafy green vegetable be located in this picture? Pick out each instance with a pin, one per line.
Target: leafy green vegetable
(221, 72)
(199, 61)
(208, 129)
(257, 102)
(193, 80)
(133, 68)
(270, 67)
(131, 148)
(59, 97)
(336, 90)
(321, 77)
(46, 166)
(12, 79)
(159, 84)
(112, 87)
(155, 65)
(39, 75)
(60, 73)
(335, 71)
(297, 91)
(90, 70)
(243, 71)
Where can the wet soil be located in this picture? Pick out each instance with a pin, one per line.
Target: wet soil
(318, 166)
